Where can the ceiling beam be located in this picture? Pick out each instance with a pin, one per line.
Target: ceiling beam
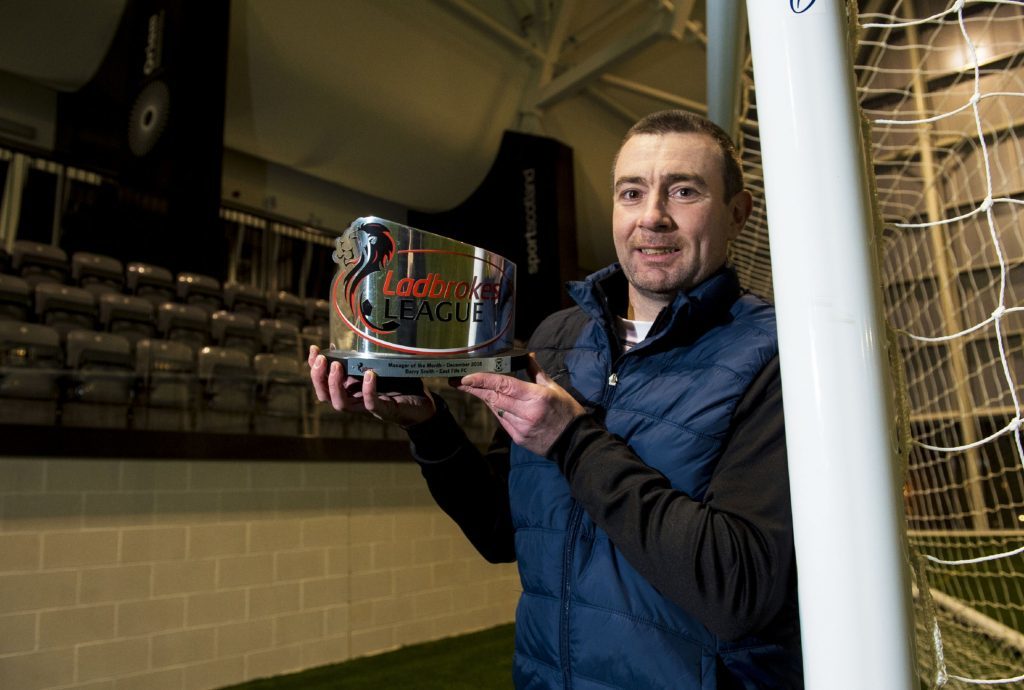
(613, 105)
(664, 96)
(607, 19)
(668, 21)
(494, 27)
(555, 40)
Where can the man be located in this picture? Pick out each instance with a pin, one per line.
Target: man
(639, 475)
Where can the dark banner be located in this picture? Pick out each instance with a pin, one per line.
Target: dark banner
(152, 122)
(524, 210)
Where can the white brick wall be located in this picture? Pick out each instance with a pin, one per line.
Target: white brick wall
(122, 574)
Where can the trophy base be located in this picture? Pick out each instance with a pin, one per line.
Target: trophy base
(406, 367)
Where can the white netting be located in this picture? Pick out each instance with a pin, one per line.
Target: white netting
(750, 253)
(942, 84)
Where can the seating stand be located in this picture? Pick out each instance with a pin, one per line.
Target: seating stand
(151, 283)
(280, 338)
(97, 273)
(15, 298)
(127, 316)
(39, 263)
(102, 380)
(318, 312)
(245, 299)
(314, 335)
(167, 386)
(30, 372)
(65, 308)
(184, 324)
(289, 308)
(282, 395)
(228, 391)
(199, 291)
(237, 331)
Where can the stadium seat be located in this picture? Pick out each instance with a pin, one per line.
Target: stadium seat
(167, 390)
(184, 324)
(199, 291)
(5, 262)
(102, 378)
(97, 273)
(65, 308)
(39, 263)
(127, 316)
(314, 335)
(280, 337)
(238, 331)
(151, 283)
(327, 423)
(30, 373)
(318, 312)
(228, 391)
(284, 306)
(282, 395)
(245, 299)
(15, 298)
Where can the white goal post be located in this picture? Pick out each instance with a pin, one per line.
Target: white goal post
(848, 519)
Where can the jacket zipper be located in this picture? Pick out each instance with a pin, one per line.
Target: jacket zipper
(575, 519)
(613, 377)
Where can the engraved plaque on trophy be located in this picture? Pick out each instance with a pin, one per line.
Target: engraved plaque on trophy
(411, 304)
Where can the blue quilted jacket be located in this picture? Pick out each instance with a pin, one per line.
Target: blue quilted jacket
(586, 619)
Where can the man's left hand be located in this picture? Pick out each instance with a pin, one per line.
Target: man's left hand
(534, 412)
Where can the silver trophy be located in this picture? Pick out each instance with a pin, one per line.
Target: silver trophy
(411, 304)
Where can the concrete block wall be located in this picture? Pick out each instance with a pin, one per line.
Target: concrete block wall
(191, 575)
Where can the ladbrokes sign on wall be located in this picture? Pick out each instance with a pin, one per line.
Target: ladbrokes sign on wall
(406, 293)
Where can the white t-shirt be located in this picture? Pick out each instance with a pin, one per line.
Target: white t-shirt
(632, 332)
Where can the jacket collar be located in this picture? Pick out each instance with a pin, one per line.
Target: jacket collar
(603, 294)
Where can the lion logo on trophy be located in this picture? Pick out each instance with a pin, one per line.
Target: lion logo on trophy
(368, 249)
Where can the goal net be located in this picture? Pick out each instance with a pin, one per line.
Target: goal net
(941, 88)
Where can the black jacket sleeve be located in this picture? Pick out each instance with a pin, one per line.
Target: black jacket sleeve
(470, 486)
(727, 560)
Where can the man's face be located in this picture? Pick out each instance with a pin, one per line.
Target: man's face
(671, 222)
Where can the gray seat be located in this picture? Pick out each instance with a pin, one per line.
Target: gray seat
(102, 379)
(318, 312)
(97, 273)
(168, 387)
(199, 291)
(184, 324)
(65, 308)
(279, 337)
(127, 316)
(39, 263)
(30, 373)
(282, 398)
(238, 331)
(15, 298)
(315, 335)
(228, 391)
(245, 299)
(152, 283)
(284, 306)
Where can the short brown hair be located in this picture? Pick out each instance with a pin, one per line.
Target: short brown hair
(684, 122)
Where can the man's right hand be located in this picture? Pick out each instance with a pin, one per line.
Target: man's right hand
(359, 394)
